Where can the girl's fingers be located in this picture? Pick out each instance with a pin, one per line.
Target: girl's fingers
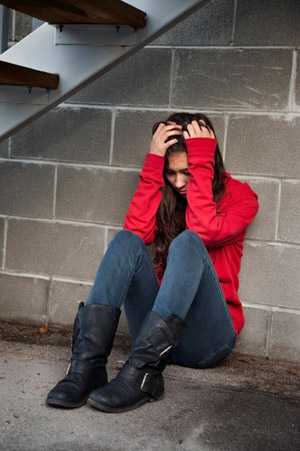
(169, 143)
(203, 124)
(172, 132)
(202, 128)
(167, 128)
(211, 133)
(163, 125)
(204, 132)
(194, 129)
(197, 128)
(191, 131)
(159, 128)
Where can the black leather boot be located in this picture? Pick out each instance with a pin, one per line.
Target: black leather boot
(93, 333)
(140, 379)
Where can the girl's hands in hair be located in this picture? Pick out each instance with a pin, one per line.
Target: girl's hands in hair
(198, 129)
(158, 144)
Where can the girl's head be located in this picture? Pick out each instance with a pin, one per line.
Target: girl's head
(176, 172)
(171, 213)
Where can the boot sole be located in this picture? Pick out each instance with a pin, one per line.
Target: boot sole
(66, 405)
(109, 409)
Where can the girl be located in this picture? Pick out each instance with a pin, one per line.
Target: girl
(182, 308)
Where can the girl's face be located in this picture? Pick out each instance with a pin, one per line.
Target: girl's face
(177, 172)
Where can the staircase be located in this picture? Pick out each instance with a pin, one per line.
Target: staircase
(82, 40)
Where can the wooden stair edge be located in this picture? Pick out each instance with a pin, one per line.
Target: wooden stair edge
(61, 12)
(16, 75)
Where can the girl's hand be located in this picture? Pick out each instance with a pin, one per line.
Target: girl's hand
(158, 146)
(198, 129)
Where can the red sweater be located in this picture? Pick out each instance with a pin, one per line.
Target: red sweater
(221, 226)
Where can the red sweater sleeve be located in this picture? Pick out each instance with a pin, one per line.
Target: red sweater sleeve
(215, 228)
(141, 214)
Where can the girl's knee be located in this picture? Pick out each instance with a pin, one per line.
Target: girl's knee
(127, 237)
(188, 238)
(127, 241)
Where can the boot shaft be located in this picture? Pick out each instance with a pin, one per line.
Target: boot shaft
(155, 340)
(94, 330)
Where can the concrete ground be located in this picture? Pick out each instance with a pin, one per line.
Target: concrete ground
(245, 403)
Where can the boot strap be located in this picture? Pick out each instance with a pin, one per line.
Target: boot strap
(152, 384)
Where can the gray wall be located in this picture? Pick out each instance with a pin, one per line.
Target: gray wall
(67, 180)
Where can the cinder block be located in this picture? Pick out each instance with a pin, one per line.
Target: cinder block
(26, 189)
(285, 338)
(289, 219)
(263, 145)
(264, 225)
(134, 131)
(64, 300)
(111, 233)
(1, 240)
(232, 79)
(23, 298)
(253, 337)
(270, 275)
(267, 23)
(143, 79)
(210, 25)
(54, 249)
(219, 126)
(94, 194)
(4, 149)
(66, 134)
(297, 87)
(23, 25)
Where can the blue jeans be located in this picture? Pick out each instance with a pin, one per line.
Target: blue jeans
(190, 289)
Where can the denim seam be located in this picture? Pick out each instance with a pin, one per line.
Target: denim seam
(221, 294)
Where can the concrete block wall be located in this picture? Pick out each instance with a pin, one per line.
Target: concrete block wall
(67, 180)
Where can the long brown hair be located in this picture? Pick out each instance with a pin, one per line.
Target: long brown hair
(170, 217)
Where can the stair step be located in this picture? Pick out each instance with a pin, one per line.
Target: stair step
(113, 12)
(13, 74)
(80, 55)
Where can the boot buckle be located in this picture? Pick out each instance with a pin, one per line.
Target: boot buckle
(69, 366)
(144, 380)
(152, 385)
(165, 350)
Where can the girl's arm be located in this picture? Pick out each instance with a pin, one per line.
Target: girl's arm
(141, 214)
(215, 228)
